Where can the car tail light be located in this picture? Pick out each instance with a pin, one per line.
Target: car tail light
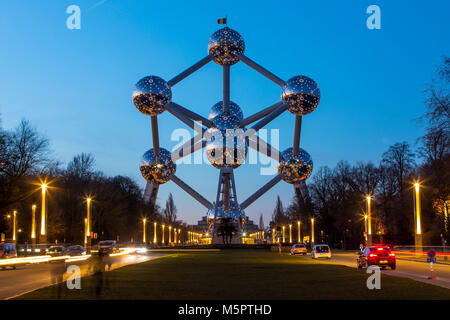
(372, 255)
(392, 254)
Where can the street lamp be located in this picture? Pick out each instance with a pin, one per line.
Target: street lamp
(33, 225)
(312, 230)
(162, 240)
(43, 236)
(290, 233)
(170, 234)
(283, 234)
(273, 235)
(154, 236)
(144, 240)
(88, 223)
(418, 233)
(14, 225)
(299, 235)
(85, 233)
(365, 226)
(369, 222)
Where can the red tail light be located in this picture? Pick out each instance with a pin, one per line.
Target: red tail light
(392, 254)
(372, 255)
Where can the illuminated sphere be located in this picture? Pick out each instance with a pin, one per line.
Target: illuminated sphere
(234, 212)
(225, 142)
(301, 94)
(233, 111)
(226, 45)
(159, 169)
(151, 94)
(295, 168)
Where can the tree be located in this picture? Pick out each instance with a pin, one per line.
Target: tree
(261, 222)
(170, 212)
(278, 216)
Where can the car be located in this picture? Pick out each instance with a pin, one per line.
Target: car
(106, 247)
(8, 251)
(321, 251)
(299, 248)
(76, 250)
(56, 251)
(380, 256)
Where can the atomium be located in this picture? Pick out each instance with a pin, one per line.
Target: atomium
(301, 94)
(226, 45)
(224, 133)
(151, 94)
(295, 168)
(159, 168)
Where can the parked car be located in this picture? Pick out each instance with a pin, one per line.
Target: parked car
(106, 247)
(321, 251)
(76, 250)
(8, 251)
(380, 256)
(299, 248)
(56, 251)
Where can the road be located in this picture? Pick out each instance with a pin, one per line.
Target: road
(409, 269)
(30, 277)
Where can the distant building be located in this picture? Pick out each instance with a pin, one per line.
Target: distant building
(202, 226)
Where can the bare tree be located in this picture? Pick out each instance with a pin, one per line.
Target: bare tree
(170, 212)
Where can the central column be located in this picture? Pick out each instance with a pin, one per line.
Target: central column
(226, 89)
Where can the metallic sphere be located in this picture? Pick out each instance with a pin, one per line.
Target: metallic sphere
(301, 94)
(151, 94)
(234, 212)
(233, 110)
(295, 168)
(226, 45)
(159, 168)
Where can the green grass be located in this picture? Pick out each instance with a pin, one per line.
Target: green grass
(238, 274)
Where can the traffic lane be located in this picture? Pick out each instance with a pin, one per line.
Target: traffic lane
(404, 268)
(30, 277)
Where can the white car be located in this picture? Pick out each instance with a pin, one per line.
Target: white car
(299, 248)
(321, 251)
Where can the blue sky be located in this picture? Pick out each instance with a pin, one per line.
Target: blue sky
(75, 85)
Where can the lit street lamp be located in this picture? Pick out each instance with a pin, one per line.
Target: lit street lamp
(85, 233)
(365, 227)
(144, 240)
(283, 234)
(417, 220)
(33, 225)
(14, 225)
(273, 235)
(299, 235)
(43, 236)
(88, 223)
(162, 240)
(290, 233)
(369, 222)
(312, 231)
(170, 234)
(154, 236)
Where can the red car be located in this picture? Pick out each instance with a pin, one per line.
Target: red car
(379, 256)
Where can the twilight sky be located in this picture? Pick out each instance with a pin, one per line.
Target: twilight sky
(75, 86)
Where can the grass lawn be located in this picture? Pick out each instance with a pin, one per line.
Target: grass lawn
(238, 274)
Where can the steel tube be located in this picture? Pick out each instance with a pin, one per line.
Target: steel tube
(270, 117)
(155, 135)
(297, 132)
(226, 88)
(192, 115)
(260, 114)
(262, 70)
(261, 191)
(194, 194)
(189, 70)
(174, 110)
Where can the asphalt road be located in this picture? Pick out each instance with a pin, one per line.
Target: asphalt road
(409, 269)
(30, 277)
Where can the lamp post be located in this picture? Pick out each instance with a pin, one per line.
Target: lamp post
(162, 240)
(170, 234)
(33, 225)
(85, 232)
(14, 225)
(88, 224)
(312, 231)
(365, 227)
(369, 222)
(154, 235)
(284, 234)
(179, 236)
(290, 233)
(144, 240)
(273, 235)
(43, 235)
(417, 220)
(299, 235)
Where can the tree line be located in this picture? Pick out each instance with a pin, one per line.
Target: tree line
(117, 206)
(338, 195)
